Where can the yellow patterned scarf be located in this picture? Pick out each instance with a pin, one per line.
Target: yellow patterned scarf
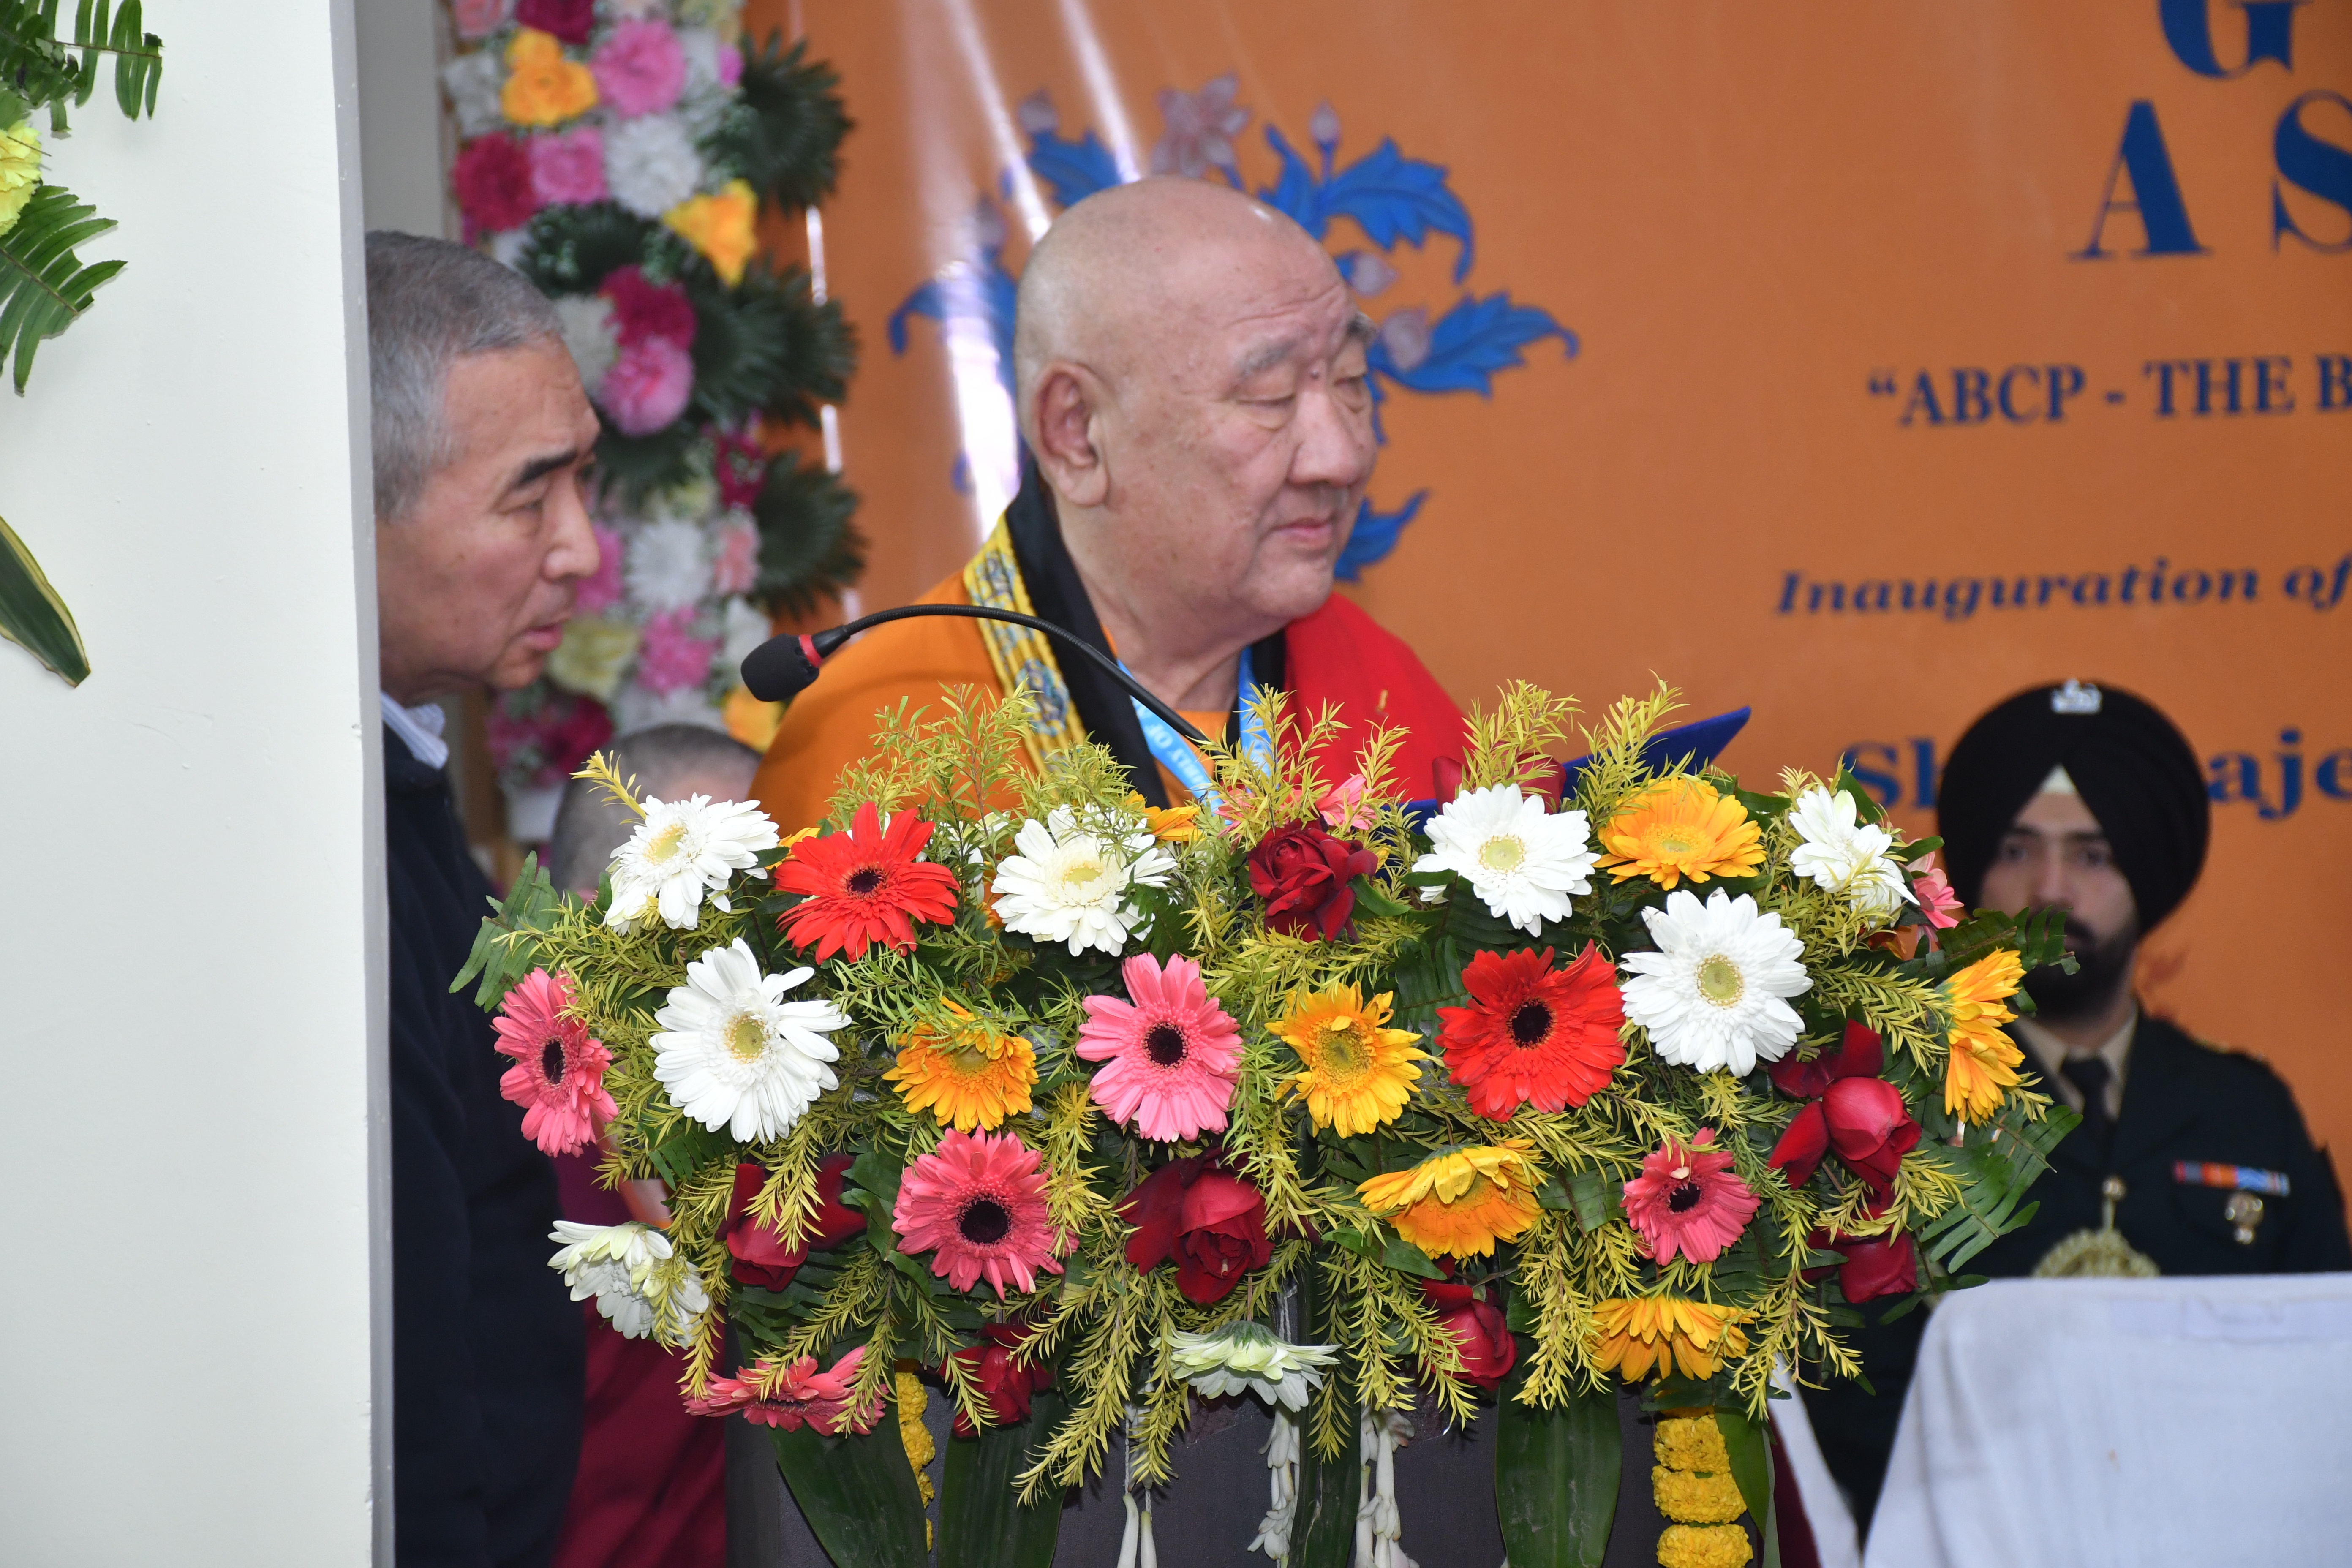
(1021, 656)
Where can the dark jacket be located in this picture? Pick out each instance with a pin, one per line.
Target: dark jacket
(2182, 1102)
(487, 1345)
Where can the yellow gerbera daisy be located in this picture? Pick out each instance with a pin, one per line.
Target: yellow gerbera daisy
(1677, 828)
(974, 1076)
(1173, 826)
(1359, 1073)
(1462, 1203)
(1984, 1059)
(1633, 1335)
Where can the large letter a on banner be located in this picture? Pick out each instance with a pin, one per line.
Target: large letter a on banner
(2155, 191)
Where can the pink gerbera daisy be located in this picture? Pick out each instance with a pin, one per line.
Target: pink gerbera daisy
(793, 1395)
(976, 1203)
(559, 1073)
(1174, 1053)
(1687, 1200)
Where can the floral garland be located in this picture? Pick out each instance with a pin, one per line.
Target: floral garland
(1083, 1110)
(618, 153)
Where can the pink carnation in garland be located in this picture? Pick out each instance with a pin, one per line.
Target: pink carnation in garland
(569, 169)
(559, 1073)
(976, 1203)
(731, 65)
(738, 564)
(544, 742)
(1172, 1057)
(671, 658)
(1687, 1200)
(601, 589)
(741, 465)
(571, 20)
(644, 310)
(477, 18)
(492, 180)
(792, 1395)
(648, 385)
(640, 69)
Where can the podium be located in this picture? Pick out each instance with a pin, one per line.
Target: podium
(2126, 1424)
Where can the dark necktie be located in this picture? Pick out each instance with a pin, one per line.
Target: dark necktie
(2089, 1075)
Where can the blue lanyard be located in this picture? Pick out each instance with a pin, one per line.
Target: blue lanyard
(1171, 751)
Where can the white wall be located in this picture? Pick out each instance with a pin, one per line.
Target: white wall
(402, 156)
(191, 980)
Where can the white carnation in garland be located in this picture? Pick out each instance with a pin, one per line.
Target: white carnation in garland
(640, 1287)
(473, 82)
(635, 707)
(1249, 1358)
(682, 850)
(587, 324)
(1523, 860)
(733, 1053)
(668, 567)
(1712, 995)
(1067, 884)
(1842, 855)
(745, 628)
(650, 164)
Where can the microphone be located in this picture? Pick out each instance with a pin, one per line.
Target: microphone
(784, 667)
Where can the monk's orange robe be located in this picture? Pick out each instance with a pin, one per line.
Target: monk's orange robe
(1335, 654)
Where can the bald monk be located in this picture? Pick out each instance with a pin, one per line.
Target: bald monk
(1189, 373)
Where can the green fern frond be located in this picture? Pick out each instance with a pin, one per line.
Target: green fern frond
(44, 285)
(809, 550)
(38, 65)
(784, 133)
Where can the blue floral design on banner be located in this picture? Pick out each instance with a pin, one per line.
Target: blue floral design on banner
(1392, 199)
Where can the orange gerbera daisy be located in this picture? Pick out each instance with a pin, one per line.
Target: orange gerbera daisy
(1984, 1060)
(1632, 1334)
(1677, 828)
(1460, 1203)
(971, 1075)
(865, 886)
(1358, 1073)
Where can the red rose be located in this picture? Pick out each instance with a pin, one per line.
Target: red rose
(1211, 1221)
(1874, 1266)
(1479, 1329)
(1302, 873)
(761, 1258)
(1857, 1115)
(571, 20)
(644, 310)
(491, 179)
(1008, 1386)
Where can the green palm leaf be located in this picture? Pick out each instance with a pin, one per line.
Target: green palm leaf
(44, 287)
(31, 614)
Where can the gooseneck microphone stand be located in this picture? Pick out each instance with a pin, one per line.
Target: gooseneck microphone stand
(784, 667)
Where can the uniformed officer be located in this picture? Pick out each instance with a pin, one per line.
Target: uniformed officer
(2189, 1159)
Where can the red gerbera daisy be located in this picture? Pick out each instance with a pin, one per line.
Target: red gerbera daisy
(559, 1073)
(865, 886)
(976, 1203)
(1535, 1035)
(793, 1395)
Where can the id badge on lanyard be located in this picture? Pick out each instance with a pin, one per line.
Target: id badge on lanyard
(1169, 749)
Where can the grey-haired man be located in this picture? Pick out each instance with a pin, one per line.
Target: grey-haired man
(482, 439)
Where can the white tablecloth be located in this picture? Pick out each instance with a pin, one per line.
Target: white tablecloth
(2127, 1423)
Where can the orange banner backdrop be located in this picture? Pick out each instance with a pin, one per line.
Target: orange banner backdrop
(1858, 363)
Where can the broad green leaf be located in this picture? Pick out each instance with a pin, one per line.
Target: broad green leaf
(33, 616)
(506, 948)
(983, 1523)
(1556, 1477)
(857, 1494)
(1751, 1460)
(1323, 1527)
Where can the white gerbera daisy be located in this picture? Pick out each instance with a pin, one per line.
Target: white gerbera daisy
(1712, 995)
(1248, 1358)
(1523, 860)
(1842, 856)
(734, 1054)
(641, 1287)
(668, 567)
(681, 849)
(587, 320)
(1066, 884)
(650, 164)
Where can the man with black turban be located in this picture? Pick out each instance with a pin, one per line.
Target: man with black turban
(2189, 1159)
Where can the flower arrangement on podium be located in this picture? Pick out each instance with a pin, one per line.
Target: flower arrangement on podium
(1008, 1088)
(620, 155)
